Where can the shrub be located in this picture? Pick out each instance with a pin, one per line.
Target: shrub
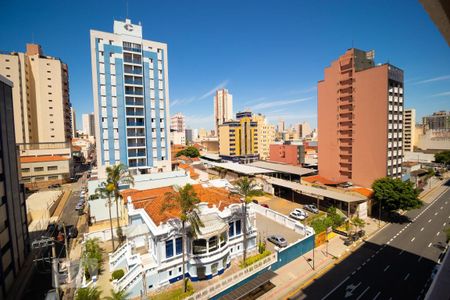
(117, 274)
(261, 246)
(252, 259)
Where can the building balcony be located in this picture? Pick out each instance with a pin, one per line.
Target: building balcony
(134, 92)
(132, 49)
(135, 123)
(135, 81)
(137, 102)
(134, 164)
(132, 60)
(135, 113)
(136, 145)
(133, 71)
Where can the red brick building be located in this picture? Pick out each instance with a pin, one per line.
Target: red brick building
(287, 153)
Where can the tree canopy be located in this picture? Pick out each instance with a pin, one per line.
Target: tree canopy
(395, 194)
(189, 152)
(442, 157)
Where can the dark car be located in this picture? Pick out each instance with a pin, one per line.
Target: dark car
(277, 240)
(72, 232)
(348, 241)
(255, 201)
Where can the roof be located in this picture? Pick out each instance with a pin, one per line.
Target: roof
(320, 179)
(33, 159)
(191, 170)
(285, 168)
(314, 191)
(250, 286)
(363, 191)
(409, 163)
(212, 156)
(239, 168)
(152, 200)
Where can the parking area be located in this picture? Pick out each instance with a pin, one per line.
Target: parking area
(278, 204)
(268, 227)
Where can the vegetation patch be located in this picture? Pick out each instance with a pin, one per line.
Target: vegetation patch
(175, 294)
(117, 274)
(252, 259)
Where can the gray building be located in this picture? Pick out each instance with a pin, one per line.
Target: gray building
(14, 238)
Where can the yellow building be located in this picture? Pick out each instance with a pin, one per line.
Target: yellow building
(238, 140)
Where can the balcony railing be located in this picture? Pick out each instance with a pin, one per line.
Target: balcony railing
(131, 60)
(134, 92)
(134, 102)
(131, 81)
(139, 154)
(133, 71)
(131, 144)
(132, 49)
(135, 113)
(131, 123)
(136, 164)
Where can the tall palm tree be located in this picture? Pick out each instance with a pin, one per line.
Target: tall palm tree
(185, 199)
(246, 188)
(88, 293)
(106, 190)
(120, 295)
(118, 174)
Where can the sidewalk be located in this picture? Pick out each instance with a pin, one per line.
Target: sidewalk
(296, 273)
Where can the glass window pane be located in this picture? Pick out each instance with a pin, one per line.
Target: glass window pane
(179, 245)
(169, 248)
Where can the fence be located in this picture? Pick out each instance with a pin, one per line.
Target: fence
(293, 251)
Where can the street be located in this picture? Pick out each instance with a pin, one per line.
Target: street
(395, 264)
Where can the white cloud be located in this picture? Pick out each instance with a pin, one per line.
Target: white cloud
(213, 90)
(439, 78)
(270, 104)
(441, 94)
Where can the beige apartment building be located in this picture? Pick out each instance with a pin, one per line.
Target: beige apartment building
(266, 135)
(42, 109)
(409, 128)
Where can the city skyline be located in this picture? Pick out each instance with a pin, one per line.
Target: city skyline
(283, 87)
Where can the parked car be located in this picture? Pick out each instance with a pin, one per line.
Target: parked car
(361, 233)
(301, 211)
(255, 201)
(265, 205)
(297, 215)
(348, 241)
(312, 208)
(72, 232)
(278, 240)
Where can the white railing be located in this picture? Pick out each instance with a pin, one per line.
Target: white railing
(118, 255)
(233, 279)
(131, 276)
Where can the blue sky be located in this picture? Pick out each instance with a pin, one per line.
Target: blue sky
(269, 54)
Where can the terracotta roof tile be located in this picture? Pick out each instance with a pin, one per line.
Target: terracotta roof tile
(33, 159)
(152, 200)
(320, 179)
(363, 191)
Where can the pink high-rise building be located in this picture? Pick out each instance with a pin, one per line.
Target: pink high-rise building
(360, 112)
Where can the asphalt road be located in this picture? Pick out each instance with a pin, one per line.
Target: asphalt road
(395, 264)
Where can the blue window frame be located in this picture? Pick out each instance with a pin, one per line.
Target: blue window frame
(178, 245)
(238, 227)
(231, 229)
(169, 248)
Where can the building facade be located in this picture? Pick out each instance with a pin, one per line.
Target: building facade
(189, 135)
(266, 135)
(177, 122)
(409, 128)
(14, 237)
(177, 138)
(131, 99)
(292, 154)
(89, 124)
(238, 140)
(303, 129)
(280, 126)
(437, 121)
(73, 121)
(360, 119)
(40, 96)
(223, 108)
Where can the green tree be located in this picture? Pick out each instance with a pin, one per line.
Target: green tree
(120, 295)
(246, 189)
(189, 152)
(185, 199)
(88, 293)
(117, 175)
(392, 194)
(106, 191)
(357, 222)
(442, 157)
(92, 256)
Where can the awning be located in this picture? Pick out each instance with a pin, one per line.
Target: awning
(250, 286)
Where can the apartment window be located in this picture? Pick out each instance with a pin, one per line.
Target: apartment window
(26, 179)
(223, 239)
(53, 177)
(49, 79)
(6, 60)
(50, 100)
(49, 93)
(170, 273)
(48, 64)
(52, 168)
(49, 86)
(7, 68)
(25, 170)
(39, 178)
(169, 248)
(213, 244)
(178, 245)
(52, 136)
(199, 246)
(50, 107)
(38, 169)
(48, 71)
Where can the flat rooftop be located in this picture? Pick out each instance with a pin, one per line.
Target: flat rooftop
(240, 168)
(284, 168)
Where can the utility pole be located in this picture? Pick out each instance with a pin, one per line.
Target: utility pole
(66, 246)
(55, 269)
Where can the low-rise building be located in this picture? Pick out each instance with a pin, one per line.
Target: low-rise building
(288, 153)
(155, 251)
(42, 171)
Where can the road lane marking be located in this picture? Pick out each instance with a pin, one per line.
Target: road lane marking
(376, 296)
(359, 297)
(385, 269)
(441, 207)
(429, 221)
(412, 240)
(406, 277)
(421, 229)
(444, 224)
(429, 245)
(438, 233)
(420, 258)
(435, 213)
(338, 286)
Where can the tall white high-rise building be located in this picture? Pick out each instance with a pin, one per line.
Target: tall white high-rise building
(89, 124)
(223, 108)
(409, 129)
(281, 125)
(73, 120)
(131, 99)
(177, 122)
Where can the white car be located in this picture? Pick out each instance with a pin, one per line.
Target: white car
(301, 211)
(297, 216)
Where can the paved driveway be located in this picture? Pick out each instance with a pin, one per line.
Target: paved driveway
(267, 227)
